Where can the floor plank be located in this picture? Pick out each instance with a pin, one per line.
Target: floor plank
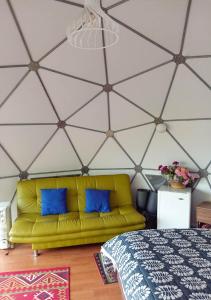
(85, 283)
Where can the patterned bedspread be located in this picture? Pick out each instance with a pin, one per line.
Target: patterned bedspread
(163, 264)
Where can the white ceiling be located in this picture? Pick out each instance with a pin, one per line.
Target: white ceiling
(99, 109)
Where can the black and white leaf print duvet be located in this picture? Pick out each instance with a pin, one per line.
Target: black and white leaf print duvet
(165, 264)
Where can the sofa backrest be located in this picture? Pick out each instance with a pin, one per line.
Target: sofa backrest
(29, 196)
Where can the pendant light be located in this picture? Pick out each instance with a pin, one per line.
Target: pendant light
(94, 29)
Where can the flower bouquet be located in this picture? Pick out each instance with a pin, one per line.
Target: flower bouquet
(178, 176)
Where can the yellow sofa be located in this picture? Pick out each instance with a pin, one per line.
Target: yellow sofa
(75, 227)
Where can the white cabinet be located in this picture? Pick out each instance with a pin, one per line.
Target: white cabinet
(5, 224)
(174, 208)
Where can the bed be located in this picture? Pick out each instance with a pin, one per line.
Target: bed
(165, 264)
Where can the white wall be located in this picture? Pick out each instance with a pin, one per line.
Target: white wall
(110, 101)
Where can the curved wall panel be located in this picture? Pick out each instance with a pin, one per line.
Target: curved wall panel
(67, 111)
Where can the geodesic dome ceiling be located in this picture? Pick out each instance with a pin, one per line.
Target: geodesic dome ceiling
(66, 111)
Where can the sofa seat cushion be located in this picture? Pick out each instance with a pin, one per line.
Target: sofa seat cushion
(34, 225)
(118, 217)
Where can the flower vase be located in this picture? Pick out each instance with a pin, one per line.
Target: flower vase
(177, 185)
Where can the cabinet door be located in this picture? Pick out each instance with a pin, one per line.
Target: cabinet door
(173, 210)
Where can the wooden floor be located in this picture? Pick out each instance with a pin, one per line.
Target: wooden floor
(85, 280)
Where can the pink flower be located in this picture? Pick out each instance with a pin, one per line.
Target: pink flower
(160, 166)
(186, 182)
(185, 176)
(176, 163)
(184, 173)
(178, 171)
(164, 169)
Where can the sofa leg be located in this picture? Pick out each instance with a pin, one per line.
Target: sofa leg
(35, 253)
(12, 245)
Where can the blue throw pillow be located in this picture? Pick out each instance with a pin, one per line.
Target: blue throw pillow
(97, 201)
(53, 201)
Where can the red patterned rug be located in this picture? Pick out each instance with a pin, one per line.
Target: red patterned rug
(41, 284)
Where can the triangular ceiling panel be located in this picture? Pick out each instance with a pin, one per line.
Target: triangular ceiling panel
(57, 156)
(85, 64)
(111, 156)
(197, 40)
(76, 1)
(148, 90)
(189, 97)
(135, 140)
(54, 174)
(202, 67)
(44, 23)
(7, 189)
(107, 3)
(94, 115)
(163, 150)
(7, 167)
(81, 2)
(124, 114)
(68, 94)
(192, 135)
(136, 14)
(24, 142)
(10, 39)
(132, 54)
(9, 78)
(30, 96)
(85, 139)
(202, 192)
(131, 172)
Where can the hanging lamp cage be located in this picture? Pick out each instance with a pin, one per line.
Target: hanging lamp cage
(94, 29)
